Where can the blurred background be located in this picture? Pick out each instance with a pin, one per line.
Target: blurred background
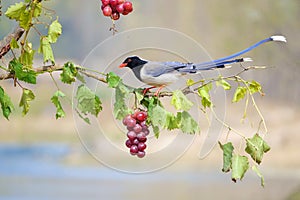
(43, 158)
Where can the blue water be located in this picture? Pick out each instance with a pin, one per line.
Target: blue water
(38, 172)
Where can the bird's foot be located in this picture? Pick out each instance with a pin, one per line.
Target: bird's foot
(147, 90)
(158, 90)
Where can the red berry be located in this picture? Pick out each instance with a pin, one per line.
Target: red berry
(141, 116)
(131, 135)
(136, 141)
(137, 128)
(141, 137)
(128, 143)
(120, 8)
(141, 154)
(120, 1)
(107, 11)
(125, 13)
(115, 16)
(142, 146)
(113, 3)
(131, 122)
(134, 149)
(126, 119)
(105, 2)
(127, 6)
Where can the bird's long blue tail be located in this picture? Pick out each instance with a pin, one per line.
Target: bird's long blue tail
(228, 59)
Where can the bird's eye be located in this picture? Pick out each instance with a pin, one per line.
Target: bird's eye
(129, 60)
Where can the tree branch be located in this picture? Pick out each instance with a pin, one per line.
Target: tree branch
(5, 42)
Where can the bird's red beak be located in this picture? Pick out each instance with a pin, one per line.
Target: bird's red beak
(123, 65)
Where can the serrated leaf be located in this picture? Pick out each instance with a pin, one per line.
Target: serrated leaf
(46, 49)
(256, 147)
(87, 101)
(203, 92)
(113, 80)
(69, 73)
(54, 31)
(239, 94)
(259, 174)
(254, 87)
(227, 156)
(180, 101)
(55, 100)
(6, 104)
(120, 107)
(14, 44)
(27, 96)
(15, 11)
(187, 123)
(240, 165)
(173, 122)
(22, 73)
(224, 84)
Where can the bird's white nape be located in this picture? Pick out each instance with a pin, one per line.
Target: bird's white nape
(278, 38)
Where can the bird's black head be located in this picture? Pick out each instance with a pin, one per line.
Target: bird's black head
(132, 62)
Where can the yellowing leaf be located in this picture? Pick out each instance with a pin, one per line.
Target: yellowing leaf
(203, 92)
(239, 94)
(54, 31)
(224, 84)
(55, 100)
(46, 49)
(27, 96)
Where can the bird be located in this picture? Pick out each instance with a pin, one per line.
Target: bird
(160, 74)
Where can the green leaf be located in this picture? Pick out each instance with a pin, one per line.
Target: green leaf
(180, 101)
(190, 82)
(55, 100)
(6, 104)
(227, 156)
(46, 49)
(37, 9)
(113, 80)
(120, 107)
(15, 11)
(259, 174)
(239, 94)
(173, 122)
(27, 96)
(256, 147)
(54, 31)
(27, 55)
(14, 44)
(69, 73)
(159, 116)
(203, 92)
(187, 123)
(22, 73)
(240, 165)
(254, 87)
(224, 84)
(88, 101)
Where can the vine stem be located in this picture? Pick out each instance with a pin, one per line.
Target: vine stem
(255, 105)
(226, 125)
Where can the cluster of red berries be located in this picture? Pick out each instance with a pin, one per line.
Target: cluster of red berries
(113, 8)
(137, 133)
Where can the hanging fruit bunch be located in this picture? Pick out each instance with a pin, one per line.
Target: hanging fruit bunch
(114, 8)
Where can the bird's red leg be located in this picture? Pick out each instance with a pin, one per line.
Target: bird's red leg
(147, 89)
(158, 90)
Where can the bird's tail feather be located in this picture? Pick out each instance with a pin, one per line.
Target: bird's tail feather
(219, 63)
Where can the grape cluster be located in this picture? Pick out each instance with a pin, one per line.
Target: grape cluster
(113, 8)
(137, 133)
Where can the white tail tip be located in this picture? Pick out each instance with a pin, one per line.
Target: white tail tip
(278, 38)
(247, 60)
